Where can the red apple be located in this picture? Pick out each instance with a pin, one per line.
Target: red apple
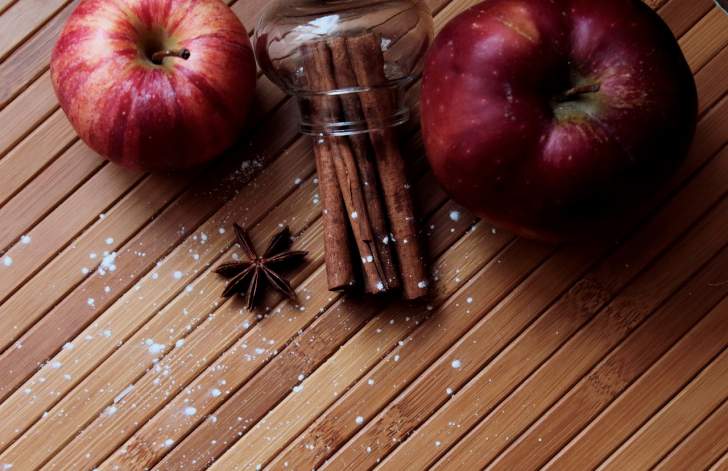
(155, 84)
(546, 117)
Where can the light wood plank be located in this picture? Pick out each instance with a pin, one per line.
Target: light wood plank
(21, 19)
(703, 446)
(696, 401)
(707, 37)
(33, 154)
(27, 111)
(647, 395)
(31, 59)
(617, 371)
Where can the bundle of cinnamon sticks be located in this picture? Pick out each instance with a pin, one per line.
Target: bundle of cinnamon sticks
(362, 180)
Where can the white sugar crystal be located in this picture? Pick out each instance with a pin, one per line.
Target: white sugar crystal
(456, 364)
(55, 364)
(25, 239)
(370, 382)
(380, 286)
(359, 420)
(179, 343)
(8, 260)
(190, 411)
(108, 263)
(221, 230)
(449, 391)
(215, 392)
(298, 388)
(469, 300)
(455, 215)
(91, 302)
(422, 284)
(297, 181)
(354, 215)
(168, 442)
(177, 275)
(111, 410)
(109, 240)
(107, 289)
(156, 348)
(106, 333)
(85, 271)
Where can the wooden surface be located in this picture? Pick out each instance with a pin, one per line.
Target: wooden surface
(596, 355)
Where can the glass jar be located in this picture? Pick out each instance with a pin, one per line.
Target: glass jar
(402, 30)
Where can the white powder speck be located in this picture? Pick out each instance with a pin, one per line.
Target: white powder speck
(108, 263)
(301, 377)
(449, 391)
(107, 289)
(156, 348)
(422, 284)
(469, 300)
(385, 240)
(111, 410)
(106, 333)
(8, 260)
(494, 231)
(155, 275)
(177, 275)
(380, 286)
(455, 215)
(298, 388)
(55, 364)
(297, 181)
(7, 466)
(370, 382)
(259, 351)
(221, 230)
(190, 411)
(109, 240)
(85, 271)
(359, 420)
(456, 364)
(354, 215)
(215, 392)
(396, 358)
(370, 259)
(438, 443)
(91, 302)
(68, 346)
(179, 343)
(25, 239)
(168, 442)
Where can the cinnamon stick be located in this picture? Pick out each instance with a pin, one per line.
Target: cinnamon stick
(319, 72)
(368, 63)
(345, 78)
(339, 268)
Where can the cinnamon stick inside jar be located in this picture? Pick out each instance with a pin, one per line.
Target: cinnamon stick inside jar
(365, 169)
(378, 105)
(320, 76)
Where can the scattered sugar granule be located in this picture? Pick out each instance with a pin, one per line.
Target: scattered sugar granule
(106, 333)
(111, 410)
(469, 300)
(298, 388)
(359, 420)
(449, 391)
(108, 263)
(221, 230)
(91, 302)
(156, 348)
(55, 364)
(438, 443)
(396, 358)
(109, 240)
(456, 364)
(179, 343)
(354, 215)
(25, 239)
(297, 181)
(177, 275)
(215, 392)
(168, 442)
(370, 382)
(422, 284)
(68, 346)
(7, 466)
(8, 260)
(455, 215)
(107, 289)
(190, 411)
(380, 286)
(85, 271)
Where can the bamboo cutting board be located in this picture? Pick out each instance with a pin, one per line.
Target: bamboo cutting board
(527, 356)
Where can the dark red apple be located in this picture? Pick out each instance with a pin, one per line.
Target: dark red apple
(548, 116)
(155, 84)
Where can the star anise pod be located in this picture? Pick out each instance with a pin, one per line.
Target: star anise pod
(249, 277)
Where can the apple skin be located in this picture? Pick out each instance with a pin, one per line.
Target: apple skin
(163, 116)
(506, 141)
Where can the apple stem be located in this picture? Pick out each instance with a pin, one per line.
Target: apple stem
(580, 90)
(159, 56)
